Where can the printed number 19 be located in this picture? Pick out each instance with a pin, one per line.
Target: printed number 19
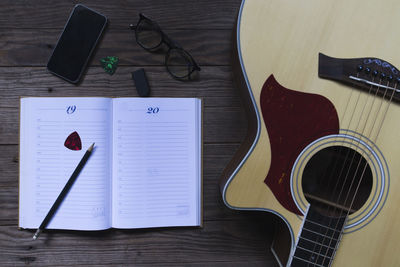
(152, 110)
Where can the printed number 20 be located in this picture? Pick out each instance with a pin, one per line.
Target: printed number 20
(152, 110)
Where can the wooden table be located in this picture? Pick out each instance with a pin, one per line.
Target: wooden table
(28, 33)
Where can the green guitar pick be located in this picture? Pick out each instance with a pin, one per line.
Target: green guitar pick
(109, 64)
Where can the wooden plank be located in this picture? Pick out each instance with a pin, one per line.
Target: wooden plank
(28, 33)
(251, 263)
(216, 157)
(8, 167)
(173, 14)
(22, 47)
(217, 241)
(215, 85)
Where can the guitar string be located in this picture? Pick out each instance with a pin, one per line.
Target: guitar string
(343, 142)
(377, 135)
(329, 180)
(373, 140)
(348, 171)
(331, 198)
(366, 164)
(336, 159)
(362, 154)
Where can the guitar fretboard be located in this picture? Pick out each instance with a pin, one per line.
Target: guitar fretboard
(318, 240)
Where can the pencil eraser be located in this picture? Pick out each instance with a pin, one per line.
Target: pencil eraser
(141, 83)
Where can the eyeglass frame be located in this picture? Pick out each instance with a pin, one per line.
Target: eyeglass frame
(169, 42)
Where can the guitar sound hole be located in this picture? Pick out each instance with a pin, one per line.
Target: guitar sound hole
(337, 180)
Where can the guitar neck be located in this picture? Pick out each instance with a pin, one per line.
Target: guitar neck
(318, 239)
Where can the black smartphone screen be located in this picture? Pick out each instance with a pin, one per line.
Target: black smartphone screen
(75, 45)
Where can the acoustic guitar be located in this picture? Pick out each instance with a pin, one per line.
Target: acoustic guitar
(321, 88)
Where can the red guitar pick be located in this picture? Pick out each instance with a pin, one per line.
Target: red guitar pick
(73, 142)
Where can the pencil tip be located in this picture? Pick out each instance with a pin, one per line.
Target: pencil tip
(36, 235)
(91, 148)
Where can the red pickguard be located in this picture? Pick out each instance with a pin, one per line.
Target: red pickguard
(293, 120)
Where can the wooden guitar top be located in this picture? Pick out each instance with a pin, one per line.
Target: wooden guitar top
(284, 38)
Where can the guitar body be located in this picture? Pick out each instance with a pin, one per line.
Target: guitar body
(294, 114)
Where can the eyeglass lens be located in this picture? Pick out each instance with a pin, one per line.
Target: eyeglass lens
(179, 63)
(147, 34)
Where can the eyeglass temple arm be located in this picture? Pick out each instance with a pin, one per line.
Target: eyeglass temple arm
(195, 65)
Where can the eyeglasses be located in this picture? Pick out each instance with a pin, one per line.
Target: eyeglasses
(179, 63)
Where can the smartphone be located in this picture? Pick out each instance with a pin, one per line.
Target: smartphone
(76, 43)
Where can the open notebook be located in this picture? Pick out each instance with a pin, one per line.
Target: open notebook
(145, 170)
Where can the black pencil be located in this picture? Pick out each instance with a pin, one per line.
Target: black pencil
(64, 192)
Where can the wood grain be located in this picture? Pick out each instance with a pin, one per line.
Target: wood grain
(215, 84)
(192, 14)
(241, 240)
(28, 33)
(27, 47)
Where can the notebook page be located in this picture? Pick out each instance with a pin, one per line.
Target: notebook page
(156, 168)
(46, 164)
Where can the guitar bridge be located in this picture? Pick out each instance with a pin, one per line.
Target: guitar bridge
(371, 74)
